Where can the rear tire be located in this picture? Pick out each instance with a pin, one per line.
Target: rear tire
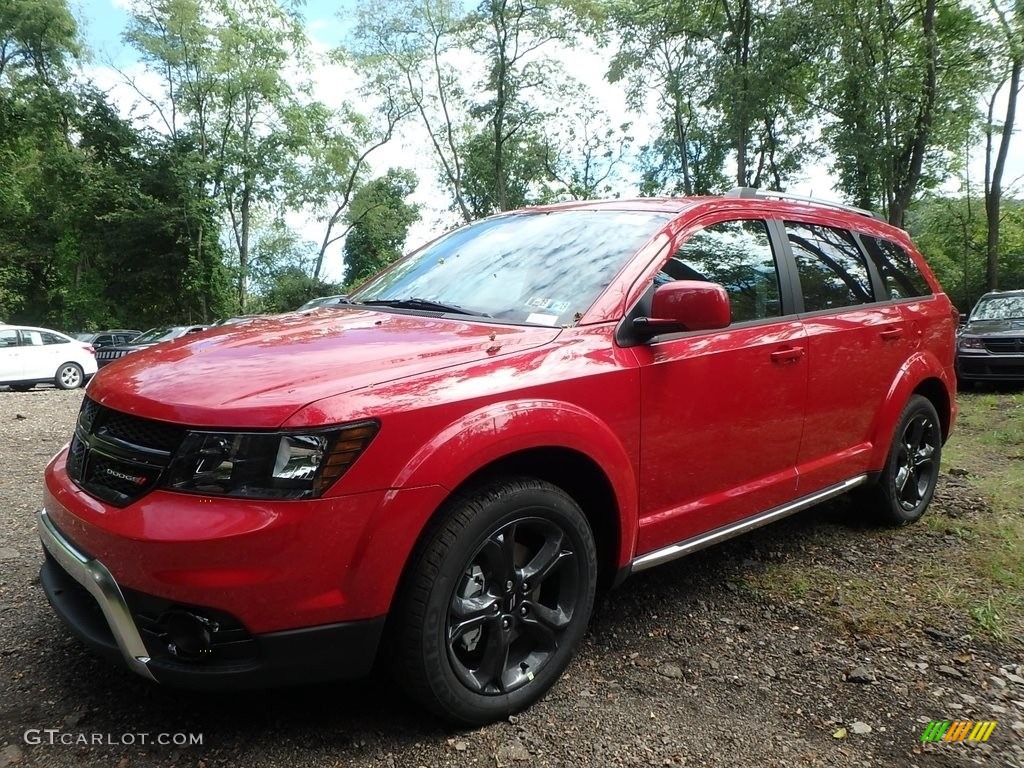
(69, 376)
(495, 602)
(907, 483)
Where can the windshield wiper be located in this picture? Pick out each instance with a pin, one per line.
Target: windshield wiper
(415, 303)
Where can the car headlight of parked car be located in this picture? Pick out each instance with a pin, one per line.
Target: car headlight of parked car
(267, 465)
(970, 342)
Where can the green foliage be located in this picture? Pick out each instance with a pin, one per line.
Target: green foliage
(290, 288)
(904, 88)
(223, 64)
(379, 220)
(106, 222)
(951, 234)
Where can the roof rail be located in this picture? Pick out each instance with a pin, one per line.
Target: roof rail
(745, 192)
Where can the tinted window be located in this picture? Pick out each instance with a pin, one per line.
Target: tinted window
(53, 338)
(737, 254)
(903, 280)
(8, 338)
(832, 270)
(31, 338)
(542, 268)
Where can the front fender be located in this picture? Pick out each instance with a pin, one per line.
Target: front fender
(922, 366)
(498, 430)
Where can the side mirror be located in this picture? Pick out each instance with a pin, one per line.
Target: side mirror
(686, 305)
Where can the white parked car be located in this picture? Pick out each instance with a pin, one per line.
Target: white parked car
(30, 356)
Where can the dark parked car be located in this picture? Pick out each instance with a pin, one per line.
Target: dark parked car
(990, 344)
(108, 338)
(150, 338)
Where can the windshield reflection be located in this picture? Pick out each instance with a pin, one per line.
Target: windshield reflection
(540, 268)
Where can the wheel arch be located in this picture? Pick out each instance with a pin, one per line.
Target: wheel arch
(579, 476)
(923, 375)
(554, 441)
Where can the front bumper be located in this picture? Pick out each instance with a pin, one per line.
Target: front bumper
(94, 577)
(986, 366)
(89, 600)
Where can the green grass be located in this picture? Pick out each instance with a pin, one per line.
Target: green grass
(956, 571)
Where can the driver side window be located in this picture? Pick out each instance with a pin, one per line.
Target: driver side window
(738, 255)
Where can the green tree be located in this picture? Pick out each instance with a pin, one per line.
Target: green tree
(411, 46)
(223, 64)
(903, 77)
(1008, 62)
(730, 78)
(951, 232)
(379, 220)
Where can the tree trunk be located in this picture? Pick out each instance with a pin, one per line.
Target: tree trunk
(994, 185)
(906, 182)
(243, 246)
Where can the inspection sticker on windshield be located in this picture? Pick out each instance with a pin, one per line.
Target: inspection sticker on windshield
(539, 302)
(540, 319)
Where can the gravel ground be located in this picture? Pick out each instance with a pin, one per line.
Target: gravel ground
(684, 665)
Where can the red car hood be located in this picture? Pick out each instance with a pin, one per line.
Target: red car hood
(258, 373)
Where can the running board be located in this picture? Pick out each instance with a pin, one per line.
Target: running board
(688, 546)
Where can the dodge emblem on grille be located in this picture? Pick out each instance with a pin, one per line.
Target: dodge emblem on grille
(124, 476)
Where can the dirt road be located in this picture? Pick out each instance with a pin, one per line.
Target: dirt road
(805, 644)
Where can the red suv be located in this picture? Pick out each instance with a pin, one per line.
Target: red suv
(526, 410)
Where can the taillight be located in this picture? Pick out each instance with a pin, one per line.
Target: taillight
(90, 349)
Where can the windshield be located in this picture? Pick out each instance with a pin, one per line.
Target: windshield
(84, 336)
(1000, 308)
(154, 335)
(543, 268)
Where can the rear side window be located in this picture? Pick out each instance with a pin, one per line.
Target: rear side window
(738, 255)
(833, 273)
(903, 280)
(31, 338)
(52, 338)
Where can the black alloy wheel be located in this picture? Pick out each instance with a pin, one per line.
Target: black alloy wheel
(911, 472)
(496, 601)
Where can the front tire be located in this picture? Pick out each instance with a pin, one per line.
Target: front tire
(911, 471)
(69, 376)
(496, 601)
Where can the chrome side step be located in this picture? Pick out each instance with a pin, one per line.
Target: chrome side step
(688, 546)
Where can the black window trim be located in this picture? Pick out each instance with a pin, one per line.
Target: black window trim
(790, 298)
(875, 272)
(874, 278)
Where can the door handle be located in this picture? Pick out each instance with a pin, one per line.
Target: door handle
(788, 355)
(890, 334)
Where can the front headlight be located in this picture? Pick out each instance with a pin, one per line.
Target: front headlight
(971, 342)
(267, 465)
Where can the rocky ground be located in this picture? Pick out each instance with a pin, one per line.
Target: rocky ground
(805, 644)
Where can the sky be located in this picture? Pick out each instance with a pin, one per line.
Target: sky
(103, 21)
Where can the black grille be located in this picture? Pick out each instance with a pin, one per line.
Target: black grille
(1003, 346)
(88, 414)
(118, 457)
(141, 432)
(76, 459)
